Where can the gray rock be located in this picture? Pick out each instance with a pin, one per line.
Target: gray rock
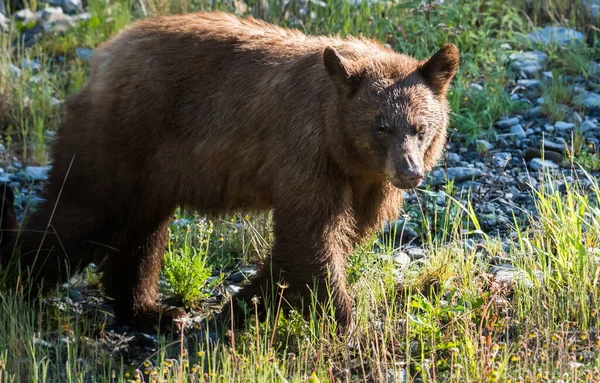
(37, 173)
(401, 258)
(574, 118)
(3, 9)
(68, 6)
(24, 16)
(562, 126)
(518, 131)
(555, 146)
(556, 36)
(453, 158)
(83, 54)
(547, 76)
(13, 71)
(501, 159)
(457, 174)
(594, 67)
(32, 65)
(3, 21)
(530, 84)
(528, 63)
(400, 231)
(241, 276)
(507, 122)
(538, 164)
(416, 253)
(484, 144)
(593, 6)
(587, 100)
(588, 126)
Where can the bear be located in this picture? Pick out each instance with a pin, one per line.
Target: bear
(219, 114)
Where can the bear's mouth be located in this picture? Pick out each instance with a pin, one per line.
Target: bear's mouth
(405, 184)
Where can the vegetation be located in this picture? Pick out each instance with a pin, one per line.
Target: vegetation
(446, 318)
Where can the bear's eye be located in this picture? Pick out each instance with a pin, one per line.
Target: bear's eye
(421, 132)
(381, 131)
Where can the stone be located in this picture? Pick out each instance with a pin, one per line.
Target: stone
(587, 100)
(538, 164)
(68, 6)
(29, 37)
(83, 54)
(518, 131)
(401, 258)
(507, 122)
(241, 276)
(483, 144)
(32, 65)
(559, 147)
(530, 83)
(453, 158)
(528, 63)
(399, 231)
(547, 76)
(588, 126)
(37, 173)
(594, 68)
(13, 71)
(562, 126)
(556, 36)
(24, 16)
(593, 6)
(457, 174)
(3, 21)
(501, 159)
(574, 118)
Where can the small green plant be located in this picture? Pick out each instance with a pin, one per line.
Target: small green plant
(186, 273)
(557, 95)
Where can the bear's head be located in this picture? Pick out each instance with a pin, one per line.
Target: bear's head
(391, 111)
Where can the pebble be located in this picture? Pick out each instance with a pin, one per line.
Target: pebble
(561, 125)
(556, 36)
(538, 164)
(507, 122)
(37, 173)
(83, 54)
(587, 100)
(530, 84)
(518, 131)
(24, 16)
(528, 63)
(501, 159)
(456, 174)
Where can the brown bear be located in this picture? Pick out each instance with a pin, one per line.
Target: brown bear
(221, 114)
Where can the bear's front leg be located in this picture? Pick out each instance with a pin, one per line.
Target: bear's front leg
(313, 236)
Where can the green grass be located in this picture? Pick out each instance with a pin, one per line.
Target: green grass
(444, 319)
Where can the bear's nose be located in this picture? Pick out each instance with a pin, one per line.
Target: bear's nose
(411, 173)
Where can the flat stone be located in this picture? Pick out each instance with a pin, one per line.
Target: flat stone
(554, 146)
(507, 122)
(24, 16)
(501, 159)
(37, 173)
(587, 100)
(561, 125)
(528, 63)
(556, 36)
(457, 174)
(588, 126)
(484, 144)
(538, 164)
(530, 83)
(454, 158)
(83, 54)
(518, 131)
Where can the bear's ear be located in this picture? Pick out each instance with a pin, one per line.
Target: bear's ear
(338, 69)
(439, 70)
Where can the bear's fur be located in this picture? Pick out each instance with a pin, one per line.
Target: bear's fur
(220, 114)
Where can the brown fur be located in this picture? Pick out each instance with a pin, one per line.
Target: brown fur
(220, 114)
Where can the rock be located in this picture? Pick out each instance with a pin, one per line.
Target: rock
(501, 159)
(559, 147)
(547, 76)
(24, 16)
(538, 164)
(3, 10)
(54, 20)
(457, 174)
(556, 36)
(528, 63)
(588, 126)
(416, 253)
(453, 158)
(587, 100)
(241, 275)
(593, 6)
(530, 84)
(401, 258)
(32, 65)
(399, 231)
(13, 71)
(594, 68)
(68, 6)
(574, 118)
(483, 144)
(83, 54)
(562, 126)
(37, 173)
(29, 37)
(518, 131)
(3, 21)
